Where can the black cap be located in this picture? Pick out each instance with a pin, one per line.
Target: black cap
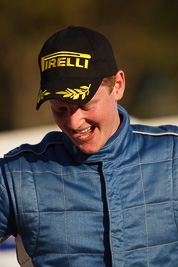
(73, 63)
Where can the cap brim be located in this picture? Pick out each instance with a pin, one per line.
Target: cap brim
(77, 92)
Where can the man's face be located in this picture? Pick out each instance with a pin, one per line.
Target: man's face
(88, 126)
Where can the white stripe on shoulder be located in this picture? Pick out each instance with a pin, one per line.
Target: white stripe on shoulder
(155, 134)
(29, 148)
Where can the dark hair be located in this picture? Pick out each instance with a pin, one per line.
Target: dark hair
(110, 82)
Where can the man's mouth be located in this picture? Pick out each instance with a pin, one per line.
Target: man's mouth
(85, 132)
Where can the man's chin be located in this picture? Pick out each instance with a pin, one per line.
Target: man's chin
(89, 149)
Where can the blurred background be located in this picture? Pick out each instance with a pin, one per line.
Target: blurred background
(144, 36)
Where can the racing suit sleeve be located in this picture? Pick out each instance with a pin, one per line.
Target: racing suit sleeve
(6, 211)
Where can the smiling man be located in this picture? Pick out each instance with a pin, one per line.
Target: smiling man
(102, 192)
(89, 126)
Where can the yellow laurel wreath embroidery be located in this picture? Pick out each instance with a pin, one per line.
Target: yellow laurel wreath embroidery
(42, 94)
(76, 93)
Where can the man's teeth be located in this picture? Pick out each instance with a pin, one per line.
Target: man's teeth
(84, 131)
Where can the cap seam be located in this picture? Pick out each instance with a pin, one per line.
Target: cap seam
(67, 32)
(81, 29)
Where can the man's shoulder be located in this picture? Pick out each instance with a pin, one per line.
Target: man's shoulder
(49, 139)
(159, 142)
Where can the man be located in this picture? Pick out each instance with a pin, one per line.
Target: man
(102, 192)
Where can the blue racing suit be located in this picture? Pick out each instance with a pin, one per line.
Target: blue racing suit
(117, 207)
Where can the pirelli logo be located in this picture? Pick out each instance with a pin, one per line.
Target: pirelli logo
(65, 59)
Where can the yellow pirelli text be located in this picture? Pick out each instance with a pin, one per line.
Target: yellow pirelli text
(65, 59)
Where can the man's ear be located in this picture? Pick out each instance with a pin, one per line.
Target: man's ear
(119, 85)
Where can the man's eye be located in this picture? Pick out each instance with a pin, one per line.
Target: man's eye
(86, 107)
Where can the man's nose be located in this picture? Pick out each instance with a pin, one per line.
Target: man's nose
(75, 118)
